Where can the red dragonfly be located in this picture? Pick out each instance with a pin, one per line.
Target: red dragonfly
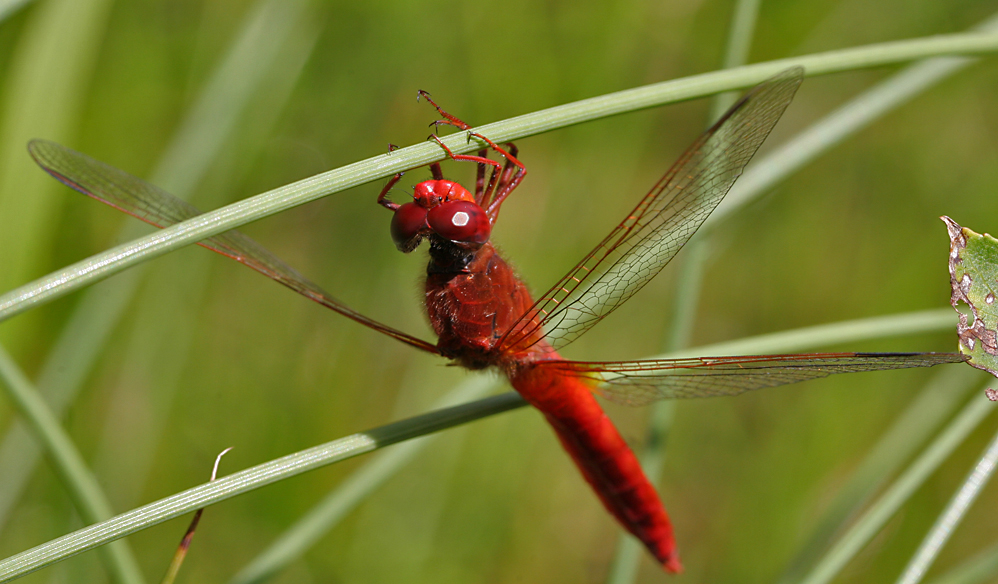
(484, 316)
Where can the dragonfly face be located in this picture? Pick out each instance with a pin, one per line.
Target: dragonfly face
(443, 208)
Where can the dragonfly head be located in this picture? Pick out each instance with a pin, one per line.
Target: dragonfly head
(442, 208)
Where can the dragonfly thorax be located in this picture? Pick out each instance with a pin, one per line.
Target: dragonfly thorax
(442, 208)
(431, 193)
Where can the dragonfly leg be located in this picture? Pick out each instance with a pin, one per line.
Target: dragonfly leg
(448, 120)
(510, 178)
(382, 197)
(502, 184)
(480, 178)
(507, 171)
(506, 184)
(452, 156)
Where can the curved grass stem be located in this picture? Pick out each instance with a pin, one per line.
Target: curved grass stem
(951, 517)
(870, 523)
(112, 261)
(68, 463)
(161, 242)
(229, 486)
(226, 487)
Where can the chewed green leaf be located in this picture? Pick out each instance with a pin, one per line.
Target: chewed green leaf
(973, 268)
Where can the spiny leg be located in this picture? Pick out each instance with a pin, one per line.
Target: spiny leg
(507, 181)
(479, 159)
(480, 178)
(382, 197)
(451, 120)
(508, 186)
(448, 120)
(507, 171)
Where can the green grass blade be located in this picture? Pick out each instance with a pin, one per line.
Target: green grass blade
(624, 567)
(209, 123)
(900, 490)
(626, 560)
(923, 415)
(255, 54)
(844, 122)
(951, 516)
(116, 259)
(61, 376)
(81, 485)
(249, 479)
(908, 323)
(294, 464)
(736, 51)
(44, 89)
(981, 568)
(9, 7)
(160, 343)
(351, 492)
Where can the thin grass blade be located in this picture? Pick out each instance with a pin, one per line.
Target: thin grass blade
(44, 89)
(229, 486)
(255, 54)
(979, 569)
(900, 490)
(326, 515)
(951, 516)
(209, 224)
(80, 483)
(920, 419)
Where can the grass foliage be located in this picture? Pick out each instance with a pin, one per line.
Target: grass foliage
(149, 374)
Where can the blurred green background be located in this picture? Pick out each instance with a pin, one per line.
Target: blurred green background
(209, 355)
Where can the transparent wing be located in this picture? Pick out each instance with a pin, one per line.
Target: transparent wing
(664, 220)
(642, 382)
(158, 207)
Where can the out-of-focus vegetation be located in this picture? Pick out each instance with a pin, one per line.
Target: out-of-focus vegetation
(215, 356)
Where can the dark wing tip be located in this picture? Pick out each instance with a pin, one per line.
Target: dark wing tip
(940, 357)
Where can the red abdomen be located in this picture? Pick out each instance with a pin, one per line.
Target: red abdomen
(470, 309)
(606, 461)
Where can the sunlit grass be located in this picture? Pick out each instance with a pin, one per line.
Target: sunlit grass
(148, 420)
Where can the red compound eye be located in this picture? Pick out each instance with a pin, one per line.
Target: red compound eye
(462, 221)
(406, 223)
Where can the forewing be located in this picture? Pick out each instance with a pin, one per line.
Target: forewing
(642, 382)
(158, 207)
(664, 220)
